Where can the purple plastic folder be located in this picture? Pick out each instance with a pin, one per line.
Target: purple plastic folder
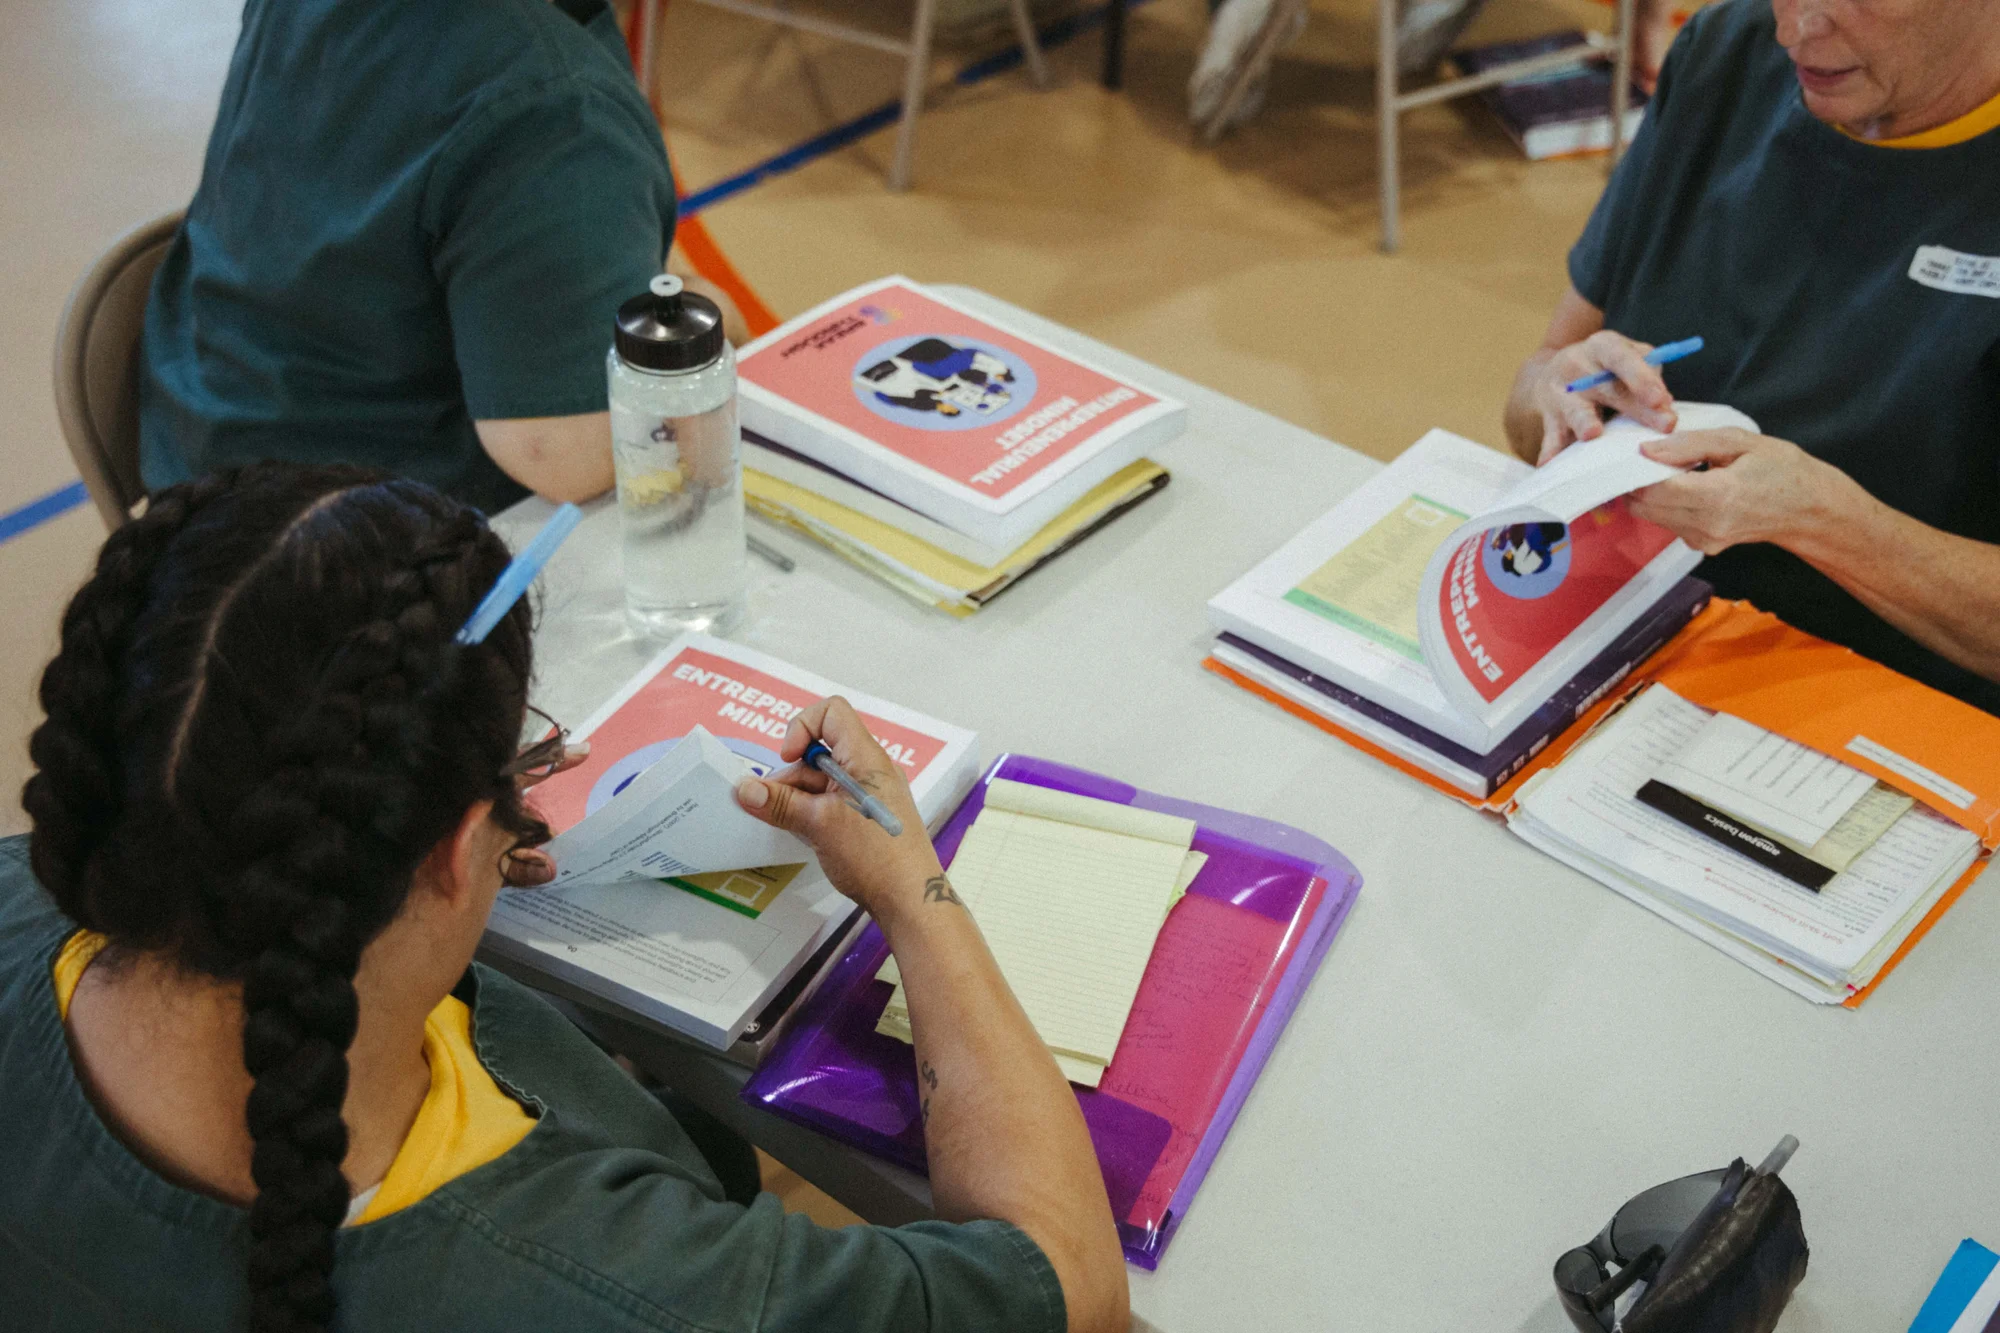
(1226, 973)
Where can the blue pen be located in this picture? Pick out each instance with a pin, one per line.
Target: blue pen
(520, 574)
(1659, 356)
(818, 756)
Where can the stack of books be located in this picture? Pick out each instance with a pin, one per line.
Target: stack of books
(940, 451)
(1461, 610)
(1563, 112)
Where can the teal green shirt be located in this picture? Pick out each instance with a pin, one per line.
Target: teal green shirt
(605, 1217)
(1801, 256)
(413, 214)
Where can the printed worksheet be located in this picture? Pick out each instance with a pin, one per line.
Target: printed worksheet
(1758, 776)
(1371, 585)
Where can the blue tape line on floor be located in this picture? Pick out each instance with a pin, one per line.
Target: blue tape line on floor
(1055, 34)
(37, 512)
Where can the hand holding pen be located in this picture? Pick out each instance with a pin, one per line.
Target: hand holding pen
(847, 800)
(1578, 382)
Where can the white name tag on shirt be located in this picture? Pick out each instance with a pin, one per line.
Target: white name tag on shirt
(1951, 271)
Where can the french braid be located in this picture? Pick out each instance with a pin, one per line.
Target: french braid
(292, 712)
(75, 794)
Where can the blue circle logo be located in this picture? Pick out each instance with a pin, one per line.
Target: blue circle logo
(935, 383)
(1527, 560)
(623, 773)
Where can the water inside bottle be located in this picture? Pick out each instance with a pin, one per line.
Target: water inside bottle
(680, 500)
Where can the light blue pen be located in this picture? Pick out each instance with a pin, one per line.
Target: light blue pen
(818, 756)
(519, 574)
(1659, 356)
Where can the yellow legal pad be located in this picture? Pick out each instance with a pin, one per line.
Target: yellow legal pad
(1070, 893)
(921, 571)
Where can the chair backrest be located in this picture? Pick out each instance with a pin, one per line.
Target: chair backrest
(97, 366)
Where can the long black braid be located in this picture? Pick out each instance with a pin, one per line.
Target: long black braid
(258, 726)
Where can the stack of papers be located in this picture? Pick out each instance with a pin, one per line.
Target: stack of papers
(944, 453)
(887, 542)
(1070, 893)
(1824, 945)
(1760, 792)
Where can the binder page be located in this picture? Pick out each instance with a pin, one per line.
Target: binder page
(1589, 802)
(1515, 600)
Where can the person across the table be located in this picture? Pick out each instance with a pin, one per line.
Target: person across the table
(414, 226)
(251, 1077)
(1816, 192)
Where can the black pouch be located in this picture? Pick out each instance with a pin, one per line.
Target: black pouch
(1720, 1252)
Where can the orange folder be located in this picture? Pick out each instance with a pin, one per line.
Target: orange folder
(1733, 658)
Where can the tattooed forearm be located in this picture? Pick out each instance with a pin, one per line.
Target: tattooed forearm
(927, 1074)
(938, 889)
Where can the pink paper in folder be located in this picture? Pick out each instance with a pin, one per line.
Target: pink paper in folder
(1226, 973)
(1205, 991)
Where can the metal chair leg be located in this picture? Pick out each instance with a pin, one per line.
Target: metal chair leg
(1114, 45)
(648, 19)
(1621, 77)
(915, 77)
(1387, 184)
(1031, 47)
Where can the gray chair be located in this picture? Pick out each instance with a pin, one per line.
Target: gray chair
(97, 366)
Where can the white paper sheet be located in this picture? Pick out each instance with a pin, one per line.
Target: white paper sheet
(1764, 779)
(679, 817)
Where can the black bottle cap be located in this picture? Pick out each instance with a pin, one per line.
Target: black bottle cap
(669, 329)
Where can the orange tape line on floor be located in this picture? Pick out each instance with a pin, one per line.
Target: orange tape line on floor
(691, 234)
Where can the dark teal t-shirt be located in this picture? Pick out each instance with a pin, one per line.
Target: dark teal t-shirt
(413, 214)
(1790, 248)
(604, 1218)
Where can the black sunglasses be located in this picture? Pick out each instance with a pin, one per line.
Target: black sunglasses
(1636, 1239)
(1641, 1235)
(539, 758)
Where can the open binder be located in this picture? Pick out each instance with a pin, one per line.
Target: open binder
(1227, 971)
(1733, 658)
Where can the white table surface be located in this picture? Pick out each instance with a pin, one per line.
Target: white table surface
(1497, 1051)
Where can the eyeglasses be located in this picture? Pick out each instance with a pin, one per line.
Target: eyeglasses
(539, 758)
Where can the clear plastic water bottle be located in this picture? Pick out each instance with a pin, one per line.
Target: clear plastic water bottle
(680, 471)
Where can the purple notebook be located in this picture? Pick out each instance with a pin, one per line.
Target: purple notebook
(1558, 111)
(1228, 969)
(1646, 636)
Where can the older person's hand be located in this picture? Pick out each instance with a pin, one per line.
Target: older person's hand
(1638, 391)
(1742, 488)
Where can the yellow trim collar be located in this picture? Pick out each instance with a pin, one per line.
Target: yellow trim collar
(1971, 125)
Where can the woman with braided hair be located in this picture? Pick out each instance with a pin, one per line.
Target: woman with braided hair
(249, 1073)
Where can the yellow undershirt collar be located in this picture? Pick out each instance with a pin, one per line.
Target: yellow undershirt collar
(465, 1121)
(1971, 125)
